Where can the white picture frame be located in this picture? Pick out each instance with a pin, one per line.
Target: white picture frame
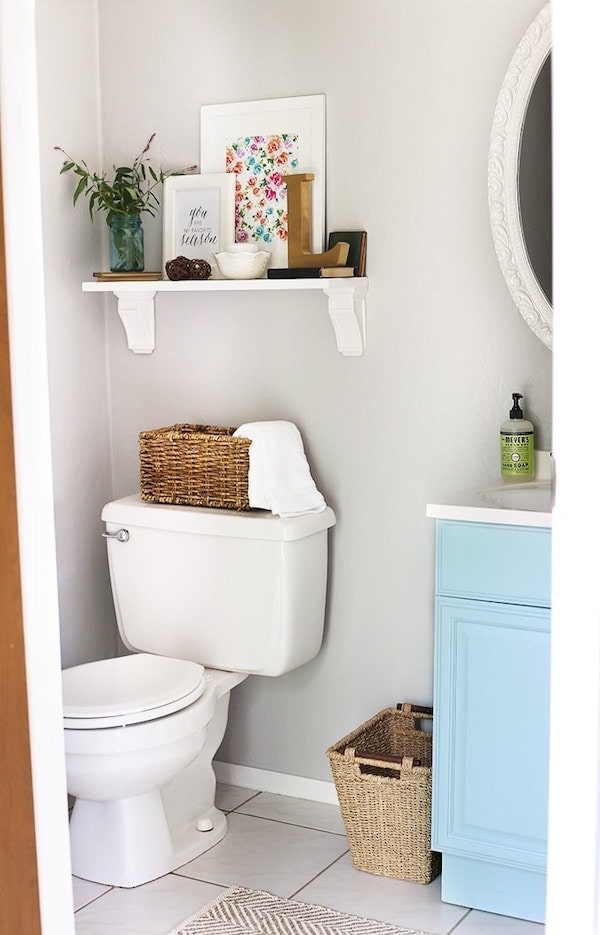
(198, 216)
(284, 136)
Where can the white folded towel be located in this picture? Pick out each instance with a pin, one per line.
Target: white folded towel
(279, 477)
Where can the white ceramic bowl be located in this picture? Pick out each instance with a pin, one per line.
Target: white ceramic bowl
(242, 265)
(248, 247)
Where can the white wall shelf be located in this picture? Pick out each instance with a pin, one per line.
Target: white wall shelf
(346, 303)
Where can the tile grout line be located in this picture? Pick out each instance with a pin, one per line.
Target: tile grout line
(94, 899)
(177, 871)
(317, 875)
(460, 922)
(293, 824)
(250, 798)
(281, 821)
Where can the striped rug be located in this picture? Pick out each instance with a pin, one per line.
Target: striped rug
(251, 912)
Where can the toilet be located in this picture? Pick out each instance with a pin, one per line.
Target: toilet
(203, 598)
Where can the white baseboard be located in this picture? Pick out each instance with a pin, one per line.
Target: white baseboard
(264, 780)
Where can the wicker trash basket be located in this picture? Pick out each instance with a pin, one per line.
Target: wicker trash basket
(382, 774)
(194, 465)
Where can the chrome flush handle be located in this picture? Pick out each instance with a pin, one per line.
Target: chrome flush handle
(121, 535)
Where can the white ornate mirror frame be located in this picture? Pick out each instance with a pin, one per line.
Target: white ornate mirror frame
(503, 177)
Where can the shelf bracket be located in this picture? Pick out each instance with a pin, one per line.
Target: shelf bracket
(346, 304)
(136, 310)
(347, 310)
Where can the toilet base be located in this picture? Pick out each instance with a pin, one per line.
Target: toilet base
(130, 835)
(132, 842)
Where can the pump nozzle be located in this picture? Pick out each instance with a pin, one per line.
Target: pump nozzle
(516, 412)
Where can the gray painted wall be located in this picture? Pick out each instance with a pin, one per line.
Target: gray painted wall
(411, 90)
(69, 96)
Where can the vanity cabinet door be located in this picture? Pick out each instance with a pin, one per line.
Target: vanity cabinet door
(491, 753)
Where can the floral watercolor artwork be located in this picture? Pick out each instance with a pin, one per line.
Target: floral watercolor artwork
(259, 163)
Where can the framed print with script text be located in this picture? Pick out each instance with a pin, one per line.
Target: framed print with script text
(198, 216)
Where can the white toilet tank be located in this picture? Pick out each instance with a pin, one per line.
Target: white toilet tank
(238, 591)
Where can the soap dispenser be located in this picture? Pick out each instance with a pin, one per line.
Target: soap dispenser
(516, 445)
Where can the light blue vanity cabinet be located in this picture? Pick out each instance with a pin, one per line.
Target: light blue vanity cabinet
(491, 703)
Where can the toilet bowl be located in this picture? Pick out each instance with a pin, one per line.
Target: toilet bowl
(141, 730)
(122, 767)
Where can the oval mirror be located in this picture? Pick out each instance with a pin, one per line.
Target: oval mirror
(520, 178)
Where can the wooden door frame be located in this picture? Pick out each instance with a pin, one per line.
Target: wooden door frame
(19, 894)
(29, 386)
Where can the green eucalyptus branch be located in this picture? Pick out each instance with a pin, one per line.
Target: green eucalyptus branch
(131, 191)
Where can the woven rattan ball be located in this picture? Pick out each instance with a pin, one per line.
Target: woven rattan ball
(200, 269)
(179, 268)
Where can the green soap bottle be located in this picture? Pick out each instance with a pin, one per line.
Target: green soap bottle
(517, 459)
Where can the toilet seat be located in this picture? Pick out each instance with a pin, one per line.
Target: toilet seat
(128, 690)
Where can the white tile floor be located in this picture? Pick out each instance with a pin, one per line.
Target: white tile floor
(290, 847)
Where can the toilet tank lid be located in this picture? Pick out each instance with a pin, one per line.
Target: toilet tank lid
(253, 524)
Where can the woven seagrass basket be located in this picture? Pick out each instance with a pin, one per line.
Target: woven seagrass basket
(194, 465)
(382, 774)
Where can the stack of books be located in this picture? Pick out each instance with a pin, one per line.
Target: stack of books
(356, 263)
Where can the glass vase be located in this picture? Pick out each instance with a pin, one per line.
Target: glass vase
(125, 243)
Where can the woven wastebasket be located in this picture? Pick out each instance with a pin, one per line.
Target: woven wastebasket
(382, 774)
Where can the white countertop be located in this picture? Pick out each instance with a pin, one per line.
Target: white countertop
(527, 504)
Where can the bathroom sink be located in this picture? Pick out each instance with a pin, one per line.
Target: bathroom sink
(527, 503)
(535, 496)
